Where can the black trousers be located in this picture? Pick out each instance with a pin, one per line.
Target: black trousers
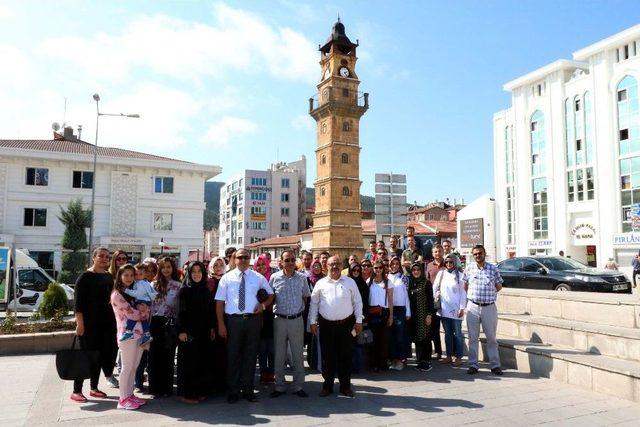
(434, 335)
(104, 341)
(161, 358)
(336, 343)
(423, 350)
(243, 343)
(380, 346)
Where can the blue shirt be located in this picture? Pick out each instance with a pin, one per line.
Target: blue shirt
(482, 282)
(290, 293)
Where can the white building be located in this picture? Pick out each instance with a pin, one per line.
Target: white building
(256, 205)
(567, 156)
(140, 199)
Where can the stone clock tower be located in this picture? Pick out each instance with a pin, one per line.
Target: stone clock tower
(337, 108)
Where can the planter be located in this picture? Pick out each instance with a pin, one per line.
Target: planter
(47, 342)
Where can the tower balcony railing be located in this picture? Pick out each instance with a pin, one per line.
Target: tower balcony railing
(340, 95)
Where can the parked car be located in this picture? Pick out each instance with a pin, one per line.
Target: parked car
(560, 274)
(33, 281)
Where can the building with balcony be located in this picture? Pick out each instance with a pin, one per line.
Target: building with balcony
(567, 156)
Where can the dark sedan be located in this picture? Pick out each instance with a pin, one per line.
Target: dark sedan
(560, 274)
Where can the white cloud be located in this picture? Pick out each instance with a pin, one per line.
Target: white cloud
(302, 121)
(17, 69)
(228, 128)
(236, 41)
(5, 12)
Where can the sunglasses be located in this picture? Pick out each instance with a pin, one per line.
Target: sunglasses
(289, 260)
(378, 268)
(242, 257)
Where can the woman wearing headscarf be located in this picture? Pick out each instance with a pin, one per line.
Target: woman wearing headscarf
(217, 349)
(422, 310)
(266, 357)
(313, 349)
(355, 272)
(195, 331)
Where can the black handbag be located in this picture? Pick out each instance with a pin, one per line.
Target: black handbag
(75, 364)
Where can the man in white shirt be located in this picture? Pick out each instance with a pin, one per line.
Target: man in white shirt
(336, 306)
(239, 320)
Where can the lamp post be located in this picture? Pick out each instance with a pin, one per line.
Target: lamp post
(161, 244)
(96, 98)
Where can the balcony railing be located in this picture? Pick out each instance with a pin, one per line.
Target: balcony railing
(341, 95)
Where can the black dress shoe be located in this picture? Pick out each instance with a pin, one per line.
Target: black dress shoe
(472, 370)
(233, 398)
(301, 393)
(347, 392)
(250, 397)
(276, 393)
(497, 371)
(324, 392)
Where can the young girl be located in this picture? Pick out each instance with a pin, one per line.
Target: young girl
(130, 351)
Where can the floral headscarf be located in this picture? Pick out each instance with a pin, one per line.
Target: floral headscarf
(213, 262)
(262, 259)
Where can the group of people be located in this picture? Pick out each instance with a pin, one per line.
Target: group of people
(222, 318)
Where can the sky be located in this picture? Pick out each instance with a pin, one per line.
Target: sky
(227, 82)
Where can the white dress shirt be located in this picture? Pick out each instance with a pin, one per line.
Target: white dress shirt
(335, 300)
(378, 295)
(229, 287)
(400, 294)
(452, 294)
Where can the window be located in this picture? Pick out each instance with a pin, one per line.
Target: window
(622, 95)
(164, 184)
(540, 216)
(626, 51)
(571, 191)
(624, 134)
(44, 260)
(630, 188)
(529, 265)
(35, 217)
(284, 183)
(262, 182)
(258, 196)
(258, 225)
(578, 144)
(82, 179)
(239, 225)
(284, 226)
(323, 159)
(534, 126)
(322, 191)
(345, 191)
(577, 104)
(345, 158)
(323, 128)
(346, 126)
(37, 176)
(240, 211)
(628, 117)
(345, 92)
(33, 280)
(162, 222)
(535, 158)
(284, 211)
(284, 197)
(509, 265)
(537, 144)
(240, 240)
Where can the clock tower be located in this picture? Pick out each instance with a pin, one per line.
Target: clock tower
(337, 108)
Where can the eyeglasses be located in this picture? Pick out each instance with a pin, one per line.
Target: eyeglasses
(242, 257)
(289, 260)
(334, 264)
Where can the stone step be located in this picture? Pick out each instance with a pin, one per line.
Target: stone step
(613, 341)
(596, 372)
(619, 310)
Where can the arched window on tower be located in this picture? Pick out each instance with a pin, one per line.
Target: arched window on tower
(345, 158)
(322, 191)
(346, 126)
(323, 159)
(345, 191)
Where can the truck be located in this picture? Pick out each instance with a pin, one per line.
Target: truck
(33, 281)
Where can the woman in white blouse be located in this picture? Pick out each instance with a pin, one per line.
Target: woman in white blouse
(449, 289)
(400, 347)
(380, 316)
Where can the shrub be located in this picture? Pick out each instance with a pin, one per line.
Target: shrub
(54, 301)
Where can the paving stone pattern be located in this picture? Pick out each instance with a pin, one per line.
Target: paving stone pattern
(32, 394)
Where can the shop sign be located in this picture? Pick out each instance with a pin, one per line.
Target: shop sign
(258, 203)
(132, 241)
(635, 217)
(540, 244)
(510, 248)
(258, 217)
(471, 232)
(257, 188)
(583, 233)
(626, 239)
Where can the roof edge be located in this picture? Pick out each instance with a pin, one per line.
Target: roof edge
(619, 38)
(560, 64)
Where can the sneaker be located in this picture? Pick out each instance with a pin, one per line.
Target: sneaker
(126, 335)
(127, 404)
(97, 393)
(472, 370)
(78, 397)
(146, 338)
(137, 400)
(424, 367)
(399, 365)
(496, 371)
(113, 381)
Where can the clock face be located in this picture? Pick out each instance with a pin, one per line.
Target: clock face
(344, 72)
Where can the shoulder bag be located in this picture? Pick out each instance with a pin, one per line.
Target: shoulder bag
(75, 363)
(437, 299)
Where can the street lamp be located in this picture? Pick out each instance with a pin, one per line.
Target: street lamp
(161, 244)
(96, 98)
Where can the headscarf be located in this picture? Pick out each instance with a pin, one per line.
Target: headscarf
(452, 258)
(313, 277)
(213, 262)
(359, 280)
(263, 259)
(188, 280)
(413, 282)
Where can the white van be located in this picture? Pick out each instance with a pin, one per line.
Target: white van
(33, 281)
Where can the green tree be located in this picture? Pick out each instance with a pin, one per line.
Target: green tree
(74, 240)
(54, 301)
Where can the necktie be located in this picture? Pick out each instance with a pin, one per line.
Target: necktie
(241, 293)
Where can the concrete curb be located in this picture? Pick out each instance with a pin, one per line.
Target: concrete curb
(35, 343)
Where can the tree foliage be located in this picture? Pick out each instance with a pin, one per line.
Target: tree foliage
(74, 240)
(54, 301)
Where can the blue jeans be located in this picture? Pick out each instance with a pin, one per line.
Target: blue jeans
(453, 336)
(399, 337)
(357, 360)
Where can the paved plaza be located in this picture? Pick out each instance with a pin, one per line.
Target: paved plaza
(32, 394)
